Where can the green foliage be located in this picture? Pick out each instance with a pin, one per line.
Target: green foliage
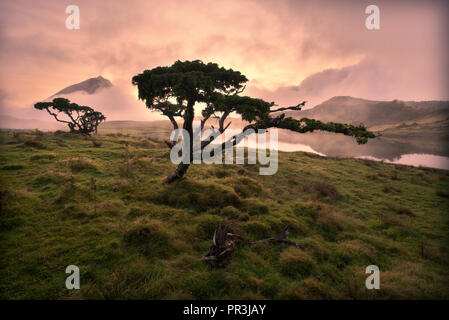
(250, 109)
(185, 81)
(309, 125)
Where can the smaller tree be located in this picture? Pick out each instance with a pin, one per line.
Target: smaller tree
(80, 119)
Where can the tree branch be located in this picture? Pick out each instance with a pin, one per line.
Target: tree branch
(56, 116)
(297, 107)
(281, 237)
(222, 120)
(303, 125)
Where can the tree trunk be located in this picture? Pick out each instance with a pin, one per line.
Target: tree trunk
(189, 115)
(179, 172)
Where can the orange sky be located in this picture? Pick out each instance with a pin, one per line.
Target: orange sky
(290, 50)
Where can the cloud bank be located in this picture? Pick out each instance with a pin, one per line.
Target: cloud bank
(290, 50)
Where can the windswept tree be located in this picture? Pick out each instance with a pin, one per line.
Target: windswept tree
(80, 119)
(175, 90)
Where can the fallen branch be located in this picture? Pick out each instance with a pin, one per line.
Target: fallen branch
(222, 245)
(280, 238)
(224, 242)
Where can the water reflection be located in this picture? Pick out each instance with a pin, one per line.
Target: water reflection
(413, 151)
(417, 160)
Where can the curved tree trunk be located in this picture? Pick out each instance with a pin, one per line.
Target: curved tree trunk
(179, 172)
(188, 126)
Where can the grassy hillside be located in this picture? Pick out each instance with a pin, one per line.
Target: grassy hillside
(160, 129)
(136, 237)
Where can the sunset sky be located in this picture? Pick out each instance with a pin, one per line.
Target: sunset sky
(290, 50)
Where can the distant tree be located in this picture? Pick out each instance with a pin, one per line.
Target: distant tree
(81, 119)
(175, 90)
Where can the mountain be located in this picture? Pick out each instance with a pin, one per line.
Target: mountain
(116, 101)
(30, 118)
(88, 86)
(406, 127)
(375, 113)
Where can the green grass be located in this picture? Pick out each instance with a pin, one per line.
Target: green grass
(136, 237)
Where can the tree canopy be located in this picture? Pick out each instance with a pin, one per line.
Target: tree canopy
(174, 91)
(81, 119)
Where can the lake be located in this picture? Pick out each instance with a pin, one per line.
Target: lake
(364, 152)
(418, 160)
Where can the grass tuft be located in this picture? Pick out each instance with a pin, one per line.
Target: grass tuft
(323, 190)
(296, 263)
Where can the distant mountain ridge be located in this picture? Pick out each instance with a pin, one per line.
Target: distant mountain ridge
(88, 86)
(373, 113)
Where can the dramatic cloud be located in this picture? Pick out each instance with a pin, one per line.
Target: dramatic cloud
(367, 79)
(290, 50)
